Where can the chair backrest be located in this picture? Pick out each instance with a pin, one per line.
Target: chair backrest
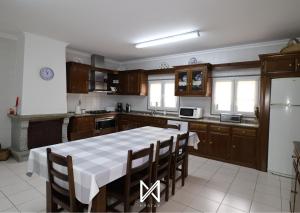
(181, 145)
(173, 126)
(142, 172)
(56, 176)
(163, 156)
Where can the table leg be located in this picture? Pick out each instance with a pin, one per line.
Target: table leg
(99, 202)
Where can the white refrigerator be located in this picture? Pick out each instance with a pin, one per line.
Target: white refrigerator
(284, 124)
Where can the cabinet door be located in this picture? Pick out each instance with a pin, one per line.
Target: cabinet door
(201, 130)
(77, 78)
(279, 64)
(197, 81)
(218, 144)
(298, 64)
(133, 83)
(181, 82)
(243, 150)
(84, 123)
(123, 83)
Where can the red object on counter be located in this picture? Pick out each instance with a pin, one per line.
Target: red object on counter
(17, 101)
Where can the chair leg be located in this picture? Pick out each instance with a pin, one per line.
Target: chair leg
(167, 188)
(182, 175)
(174, 179)
(126, 205)
(51, 206)
(186, 165)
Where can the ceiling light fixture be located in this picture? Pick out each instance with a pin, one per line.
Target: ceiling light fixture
(170, 39)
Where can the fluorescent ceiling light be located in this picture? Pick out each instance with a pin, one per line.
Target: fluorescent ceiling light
(170, 39)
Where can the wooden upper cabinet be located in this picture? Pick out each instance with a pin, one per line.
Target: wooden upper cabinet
(77, 77)
(193, 80)
(280, 63)
(133, 82)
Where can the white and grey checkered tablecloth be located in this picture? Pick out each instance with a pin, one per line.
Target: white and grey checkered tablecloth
(100, 160)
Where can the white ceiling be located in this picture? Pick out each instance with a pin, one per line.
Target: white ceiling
(111, 27)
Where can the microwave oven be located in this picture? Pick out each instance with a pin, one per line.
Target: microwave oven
(191, 112)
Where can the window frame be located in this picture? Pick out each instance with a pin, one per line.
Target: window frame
(234, 107)
(162, 108)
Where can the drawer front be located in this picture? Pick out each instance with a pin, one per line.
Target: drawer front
(198, 127)
(217, 128)
(244, 132)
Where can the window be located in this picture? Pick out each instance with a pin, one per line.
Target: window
(162, 95)
(235, 95)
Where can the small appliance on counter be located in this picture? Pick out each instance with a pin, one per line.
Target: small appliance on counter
(128, 108)
(233, 118)
(191, 112)
(119, 107)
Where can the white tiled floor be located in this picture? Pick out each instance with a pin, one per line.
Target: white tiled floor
(211, 186)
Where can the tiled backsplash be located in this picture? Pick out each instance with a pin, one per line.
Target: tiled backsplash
(95, 101)
(91, 101)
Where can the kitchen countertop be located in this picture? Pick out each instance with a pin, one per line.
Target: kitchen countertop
(39, 117)
(201, 120)
(212, 120)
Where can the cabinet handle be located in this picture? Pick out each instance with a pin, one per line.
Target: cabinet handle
(244, 131)
(298, 65)
(290, 65)
(210, 142)
(233, 146)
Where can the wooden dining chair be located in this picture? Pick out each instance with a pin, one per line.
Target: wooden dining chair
(173, 126)
(180, 160)
(126, 190)
(59, 195)
(162, 166)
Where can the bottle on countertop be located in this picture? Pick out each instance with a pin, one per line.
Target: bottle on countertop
(78, 108)
(128, 108)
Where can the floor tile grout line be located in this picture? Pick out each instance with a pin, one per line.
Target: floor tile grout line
(227, 191)
(18, 175)
(252, 199)
(10, 202)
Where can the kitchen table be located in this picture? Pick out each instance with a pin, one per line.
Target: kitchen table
(100, 160)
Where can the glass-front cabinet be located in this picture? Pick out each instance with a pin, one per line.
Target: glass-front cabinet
(182, 82)
(193, 80)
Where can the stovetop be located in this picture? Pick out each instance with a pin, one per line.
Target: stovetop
(96, 112)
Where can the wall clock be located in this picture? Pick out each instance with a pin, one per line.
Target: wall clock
(46, 73)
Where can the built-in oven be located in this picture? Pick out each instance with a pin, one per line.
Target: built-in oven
(105, 125)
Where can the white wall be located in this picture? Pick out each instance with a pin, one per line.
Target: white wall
(40, 96)
(222, 55)
(8, 86)
(214, 56)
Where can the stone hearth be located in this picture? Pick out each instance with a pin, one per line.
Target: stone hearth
(19, 132)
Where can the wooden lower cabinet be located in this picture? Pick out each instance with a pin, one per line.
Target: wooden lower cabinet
(218, 145)
(201, 130)
(81, 127)
(243, 147)
(231, 144)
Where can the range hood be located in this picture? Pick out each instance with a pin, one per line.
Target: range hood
(98, 79)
